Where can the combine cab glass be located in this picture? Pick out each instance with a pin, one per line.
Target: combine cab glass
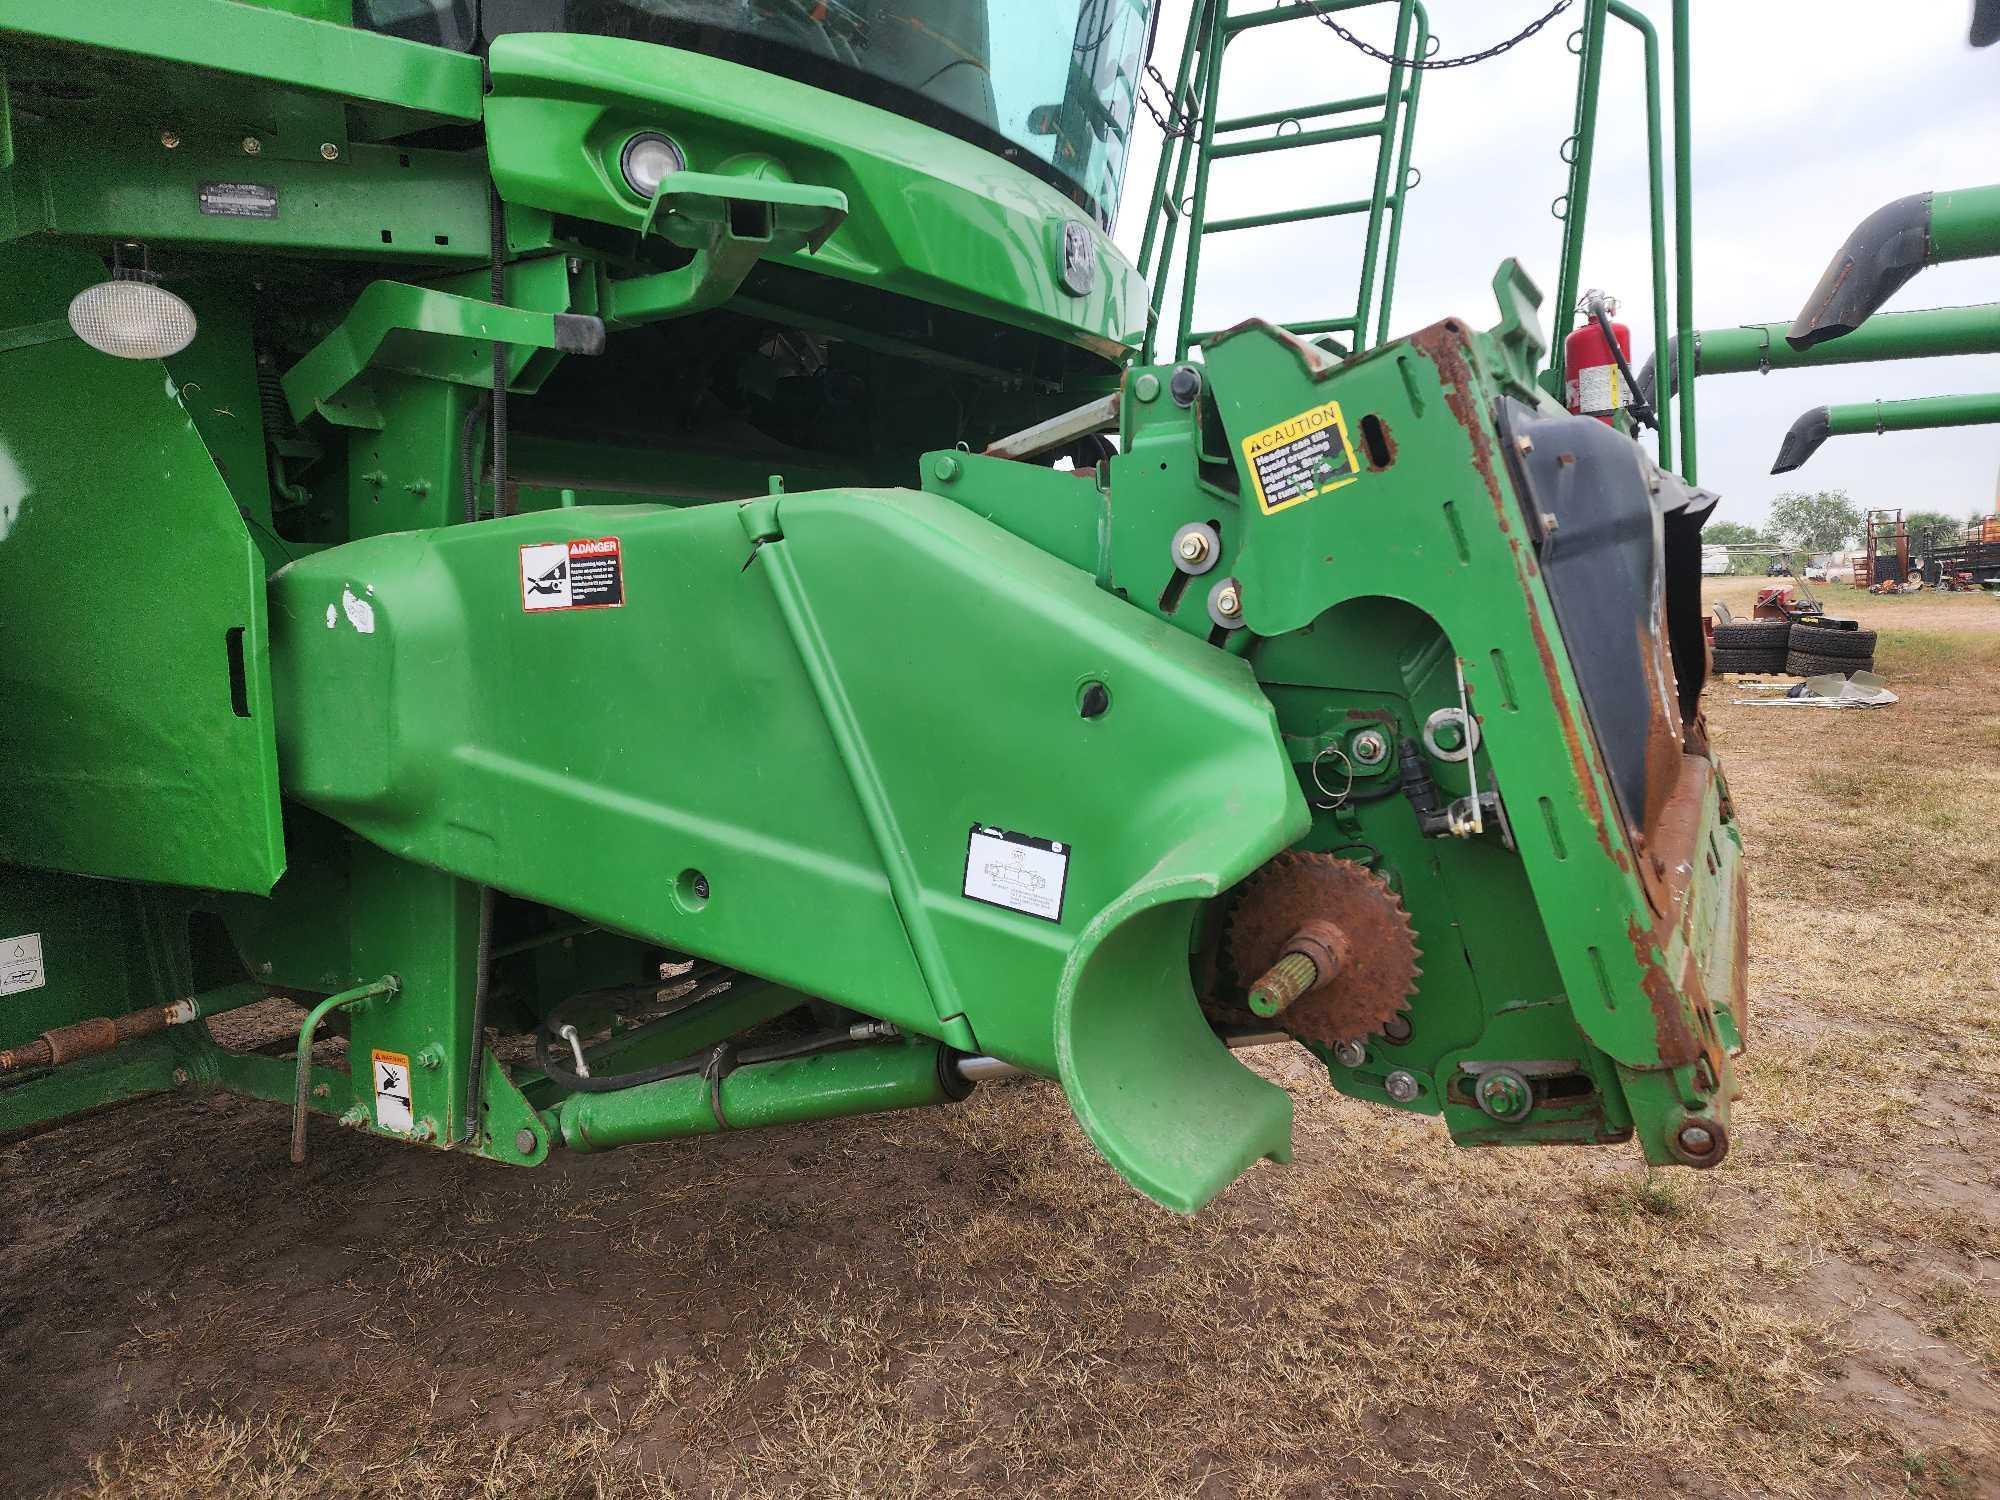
(636, 560)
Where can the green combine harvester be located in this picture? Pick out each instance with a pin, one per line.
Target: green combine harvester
(644, 563)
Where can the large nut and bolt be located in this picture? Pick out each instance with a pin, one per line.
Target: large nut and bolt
(1369, 748)
(1225, 604)
(1350, 1054)
(170, 139)
(251, 145)
(1197, 548)
(1402, 1086)
(1184, 384)
(329, 151)
(1505, 1095)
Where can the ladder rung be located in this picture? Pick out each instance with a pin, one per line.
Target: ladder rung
(1293, 142)
(1316, 112)
(1291, 216)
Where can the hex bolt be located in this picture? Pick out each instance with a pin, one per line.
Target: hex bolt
(181, 1077)
(170, 139)
(1369, 748)
(330, 151)
(1505, 1095)
(1228, 601)
(251, 145)
(355, 1118)
(524, 1141)
(1286, 980)
(1192, 547)
(1402, 1086)
(1350, 1054)
(321, 1091)
(431, 1058)
(1524, 444)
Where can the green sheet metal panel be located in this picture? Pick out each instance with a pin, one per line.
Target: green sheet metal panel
(136, 741)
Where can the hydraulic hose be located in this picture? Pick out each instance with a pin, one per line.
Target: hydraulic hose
(1642, 409)
(549, 1051)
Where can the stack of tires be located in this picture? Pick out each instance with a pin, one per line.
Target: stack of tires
(1752, 645)
(1815, 650)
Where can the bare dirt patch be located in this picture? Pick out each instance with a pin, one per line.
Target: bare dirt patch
(969, 1302)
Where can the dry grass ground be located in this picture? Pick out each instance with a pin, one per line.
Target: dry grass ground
(969, 1302)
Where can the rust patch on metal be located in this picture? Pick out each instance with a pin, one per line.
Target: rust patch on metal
(1673, 1038)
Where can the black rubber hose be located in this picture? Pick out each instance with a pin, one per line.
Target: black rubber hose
(499, 287)
(482, 987)
(1642, 411)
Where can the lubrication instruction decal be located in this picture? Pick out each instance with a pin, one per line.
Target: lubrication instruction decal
(1301, 457)
(572, 575)
(21, 964)
(1017, 871)
(392, 1091)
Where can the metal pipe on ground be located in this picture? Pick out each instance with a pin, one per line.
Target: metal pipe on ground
(100, 1034)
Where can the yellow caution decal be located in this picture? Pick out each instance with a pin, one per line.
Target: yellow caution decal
(1300, 458)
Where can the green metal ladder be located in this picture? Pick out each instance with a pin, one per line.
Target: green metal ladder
(1197, 140)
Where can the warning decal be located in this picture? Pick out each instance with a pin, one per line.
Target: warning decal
(1301, 457)
(392, 1091)
(21, 964)
(572, 575)
(1016, 871)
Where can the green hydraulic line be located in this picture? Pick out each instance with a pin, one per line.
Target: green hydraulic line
(1656, 190)
(1889, 247)
(821, 1086)
(1211, 78)
(1583, 149)
(1684, 236)
(1384, 152)
(387, 985)
(1931, 333)
(1919, 414)
(1176, 151)
(1403, 183)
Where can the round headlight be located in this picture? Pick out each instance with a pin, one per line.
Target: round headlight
(647, 159)
(132, 319)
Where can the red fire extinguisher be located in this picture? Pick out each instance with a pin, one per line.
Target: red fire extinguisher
(1593, 381)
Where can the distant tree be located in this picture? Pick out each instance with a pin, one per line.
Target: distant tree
(1824, 521)
(1942, 526)
(1739, 538)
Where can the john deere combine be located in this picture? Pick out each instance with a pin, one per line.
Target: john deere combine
(632, 558)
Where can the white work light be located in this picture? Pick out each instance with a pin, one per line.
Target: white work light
(647, 159)
(130, 316)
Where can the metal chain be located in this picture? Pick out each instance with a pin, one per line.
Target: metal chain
(1465, 60)
(1171, 122)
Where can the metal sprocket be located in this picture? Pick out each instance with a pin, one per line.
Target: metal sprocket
(1296, 888)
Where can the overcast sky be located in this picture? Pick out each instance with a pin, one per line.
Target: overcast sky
(1807, 115)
